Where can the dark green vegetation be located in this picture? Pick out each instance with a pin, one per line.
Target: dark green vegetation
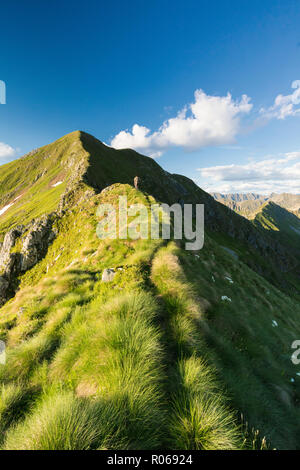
(276, 216)
(283, 224)
(154, 358)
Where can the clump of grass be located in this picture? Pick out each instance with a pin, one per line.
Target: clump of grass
(14, 403)
(114, 351)
(200, 419)
(134, 356)
(199, 414)
(22, 360)
(117, 353)
(60, 422)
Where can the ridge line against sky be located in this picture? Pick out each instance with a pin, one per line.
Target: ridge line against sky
(208, 121)
(216, 121)
(212, 121)
(209, 87)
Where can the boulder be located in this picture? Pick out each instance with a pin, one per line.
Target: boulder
(108, 274)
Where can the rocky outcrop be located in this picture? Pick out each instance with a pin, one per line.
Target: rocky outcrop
(37, 238)
(36, 242)
(169, 185)
(9, 242)
(11, 266)
(9, 262)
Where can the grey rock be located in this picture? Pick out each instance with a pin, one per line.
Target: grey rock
(8, 243)
(36, 242)
(145, 183)
(108, 274)
(11, 265)
(136, 182)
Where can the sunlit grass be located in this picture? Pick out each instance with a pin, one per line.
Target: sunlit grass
(153, 359)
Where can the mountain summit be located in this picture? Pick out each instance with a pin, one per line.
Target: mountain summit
(139, 344)
(77, 166)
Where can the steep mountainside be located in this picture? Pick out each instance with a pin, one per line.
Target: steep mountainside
(34, 184)
(245, 204)
(139, 344)
(290, 202)
(284, 225)
(83, 165)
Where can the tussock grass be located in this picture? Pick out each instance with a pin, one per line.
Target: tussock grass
(251, 357)
(199, 414)
(153, 359)
(117, 353)
(59, 422)
(114, 351)
(15, 401)
(200, 418)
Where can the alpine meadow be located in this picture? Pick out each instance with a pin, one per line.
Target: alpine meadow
(149, 231)
(176, 349)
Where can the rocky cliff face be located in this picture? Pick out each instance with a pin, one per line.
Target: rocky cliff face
(33, 242)
(35, 245)
(9, 262)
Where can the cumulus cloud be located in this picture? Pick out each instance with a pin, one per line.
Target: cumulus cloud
(264, 176)
(284, 105)
(6, 151)
(139, 139)
(208, 121)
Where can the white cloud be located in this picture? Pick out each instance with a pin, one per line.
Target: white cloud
(264, 176)
(139, 139)
(6, 151)
(208, 121)
(284, 105)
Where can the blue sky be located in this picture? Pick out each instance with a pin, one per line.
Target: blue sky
(165, 68)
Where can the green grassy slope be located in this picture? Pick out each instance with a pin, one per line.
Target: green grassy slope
(29, 182)
(255, 245)
(180, 350)
(153, 359)
(252, 244)
(81, 162)
(284, 225)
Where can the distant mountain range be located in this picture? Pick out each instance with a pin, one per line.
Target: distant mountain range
(248, 204)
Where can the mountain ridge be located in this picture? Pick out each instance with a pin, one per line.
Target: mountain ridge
(248, 204)
(83, 165)
(139, 344)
